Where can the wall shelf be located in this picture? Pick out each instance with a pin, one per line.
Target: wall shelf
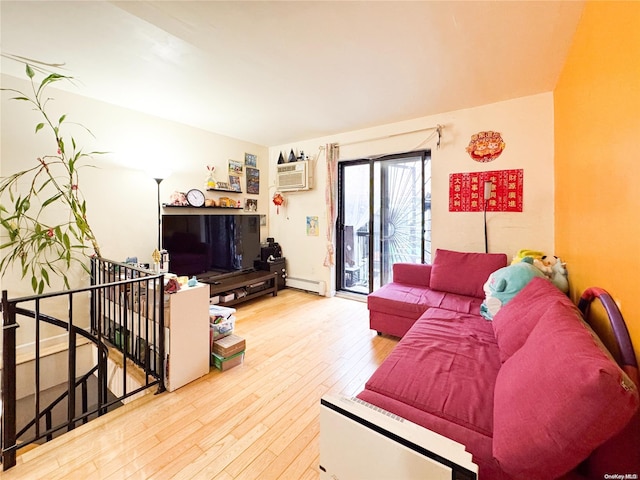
(166, 205)
(228, 190)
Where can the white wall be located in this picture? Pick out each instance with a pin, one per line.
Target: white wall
(122, 198)
(120, 194)
(526, 125)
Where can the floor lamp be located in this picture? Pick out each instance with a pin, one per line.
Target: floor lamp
(159, 181)
(487, 193)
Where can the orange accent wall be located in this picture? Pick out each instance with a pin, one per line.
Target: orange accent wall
(597, 157)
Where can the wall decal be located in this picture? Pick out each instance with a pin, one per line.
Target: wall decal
(485, 146)
(466, 191)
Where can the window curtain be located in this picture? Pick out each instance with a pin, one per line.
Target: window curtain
(331, 192)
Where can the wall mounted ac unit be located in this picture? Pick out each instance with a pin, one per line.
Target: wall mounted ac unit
(293, 176)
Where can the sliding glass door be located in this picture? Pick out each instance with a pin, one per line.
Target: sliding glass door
(384, 217)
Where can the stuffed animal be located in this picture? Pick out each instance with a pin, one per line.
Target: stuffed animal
(535, 254)
(552, 267)
(559, 275)
(503, 284)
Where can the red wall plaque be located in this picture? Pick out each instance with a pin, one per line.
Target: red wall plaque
(466, 191)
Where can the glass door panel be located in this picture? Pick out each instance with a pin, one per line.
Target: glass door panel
(398, 215)
(384, 217)
(354, 227)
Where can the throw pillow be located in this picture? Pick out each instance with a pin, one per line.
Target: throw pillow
(464, 273)
(558, 398)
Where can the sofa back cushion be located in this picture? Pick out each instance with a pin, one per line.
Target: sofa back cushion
(514, 321)
(558, 398)
(464, 273)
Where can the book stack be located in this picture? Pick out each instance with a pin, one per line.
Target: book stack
(228, 352)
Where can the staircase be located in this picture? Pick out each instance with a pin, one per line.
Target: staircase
(117, 318)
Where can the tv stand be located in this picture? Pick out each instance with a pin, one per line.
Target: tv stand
(244, 286)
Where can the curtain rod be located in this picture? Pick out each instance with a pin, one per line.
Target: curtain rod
(437, 127)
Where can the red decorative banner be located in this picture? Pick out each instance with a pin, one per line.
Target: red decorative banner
(466, 191)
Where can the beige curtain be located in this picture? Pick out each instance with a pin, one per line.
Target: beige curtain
(332, 152)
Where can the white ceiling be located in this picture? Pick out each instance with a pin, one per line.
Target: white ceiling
(278, 72)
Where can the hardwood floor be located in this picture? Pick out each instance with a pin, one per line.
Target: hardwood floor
(259, 420)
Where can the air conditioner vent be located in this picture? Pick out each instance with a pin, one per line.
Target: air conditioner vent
(293, 176)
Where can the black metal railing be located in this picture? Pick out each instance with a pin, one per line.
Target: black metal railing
(122, 309)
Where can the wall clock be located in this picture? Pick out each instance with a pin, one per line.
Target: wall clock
(195, 197)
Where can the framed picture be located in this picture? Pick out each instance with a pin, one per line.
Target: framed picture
(235, 168)
(312, 226)
(234, 182)
(251, 205)
(253, 180)
(250, 160)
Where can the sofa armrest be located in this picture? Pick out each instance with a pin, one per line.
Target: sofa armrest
(412, 273)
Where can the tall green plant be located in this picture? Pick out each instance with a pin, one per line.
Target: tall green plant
(43, 247)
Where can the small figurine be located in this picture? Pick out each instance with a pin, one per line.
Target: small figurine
(211, 179)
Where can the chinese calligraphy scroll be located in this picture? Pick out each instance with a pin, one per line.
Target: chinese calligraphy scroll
(466, 191)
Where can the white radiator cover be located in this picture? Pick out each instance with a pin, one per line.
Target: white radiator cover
(361, 441)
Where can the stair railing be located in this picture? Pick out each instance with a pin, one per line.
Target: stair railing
(125, 310)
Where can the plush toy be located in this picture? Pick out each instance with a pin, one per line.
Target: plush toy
(559, 275)
(503, 284)
(179, 199)
(552, 267)
(534, 254)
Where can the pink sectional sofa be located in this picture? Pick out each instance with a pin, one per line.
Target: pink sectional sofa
(532, 394)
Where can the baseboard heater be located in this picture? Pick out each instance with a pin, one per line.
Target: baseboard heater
(308, 285)
(361, 441)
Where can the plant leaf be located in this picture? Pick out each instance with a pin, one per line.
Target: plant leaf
(39, 126)
(50, 200)
(45, 275)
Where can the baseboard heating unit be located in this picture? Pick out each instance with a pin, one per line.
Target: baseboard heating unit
(361, 441)
(308, 285)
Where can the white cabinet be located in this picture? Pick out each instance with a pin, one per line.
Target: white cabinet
(187, 335)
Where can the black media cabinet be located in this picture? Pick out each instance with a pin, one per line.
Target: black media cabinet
(243, 286)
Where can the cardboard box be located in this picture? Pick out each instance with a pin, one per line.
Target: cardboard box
(228, 346)
(223, 364)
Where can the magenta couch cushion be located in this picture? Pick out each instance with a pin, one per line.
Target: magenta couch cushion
(514, 322)
(412, 273)
(443, 354)
(404, 300)
(464, 273)
(557, 398)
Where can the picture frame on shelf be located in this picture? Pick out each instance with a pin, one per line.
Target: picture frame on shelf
(251, 205)
(235, 167)
(234, 183)
(253, 180)
(250, 160)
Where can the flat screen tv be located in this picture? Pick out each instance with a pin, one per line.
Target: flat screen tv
(200, 244)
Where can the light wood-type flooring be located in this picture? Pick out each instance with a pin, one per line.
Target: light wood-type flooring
(259, 420)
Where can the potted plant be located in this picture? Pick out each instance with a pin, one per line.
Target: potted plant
(36, 236)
